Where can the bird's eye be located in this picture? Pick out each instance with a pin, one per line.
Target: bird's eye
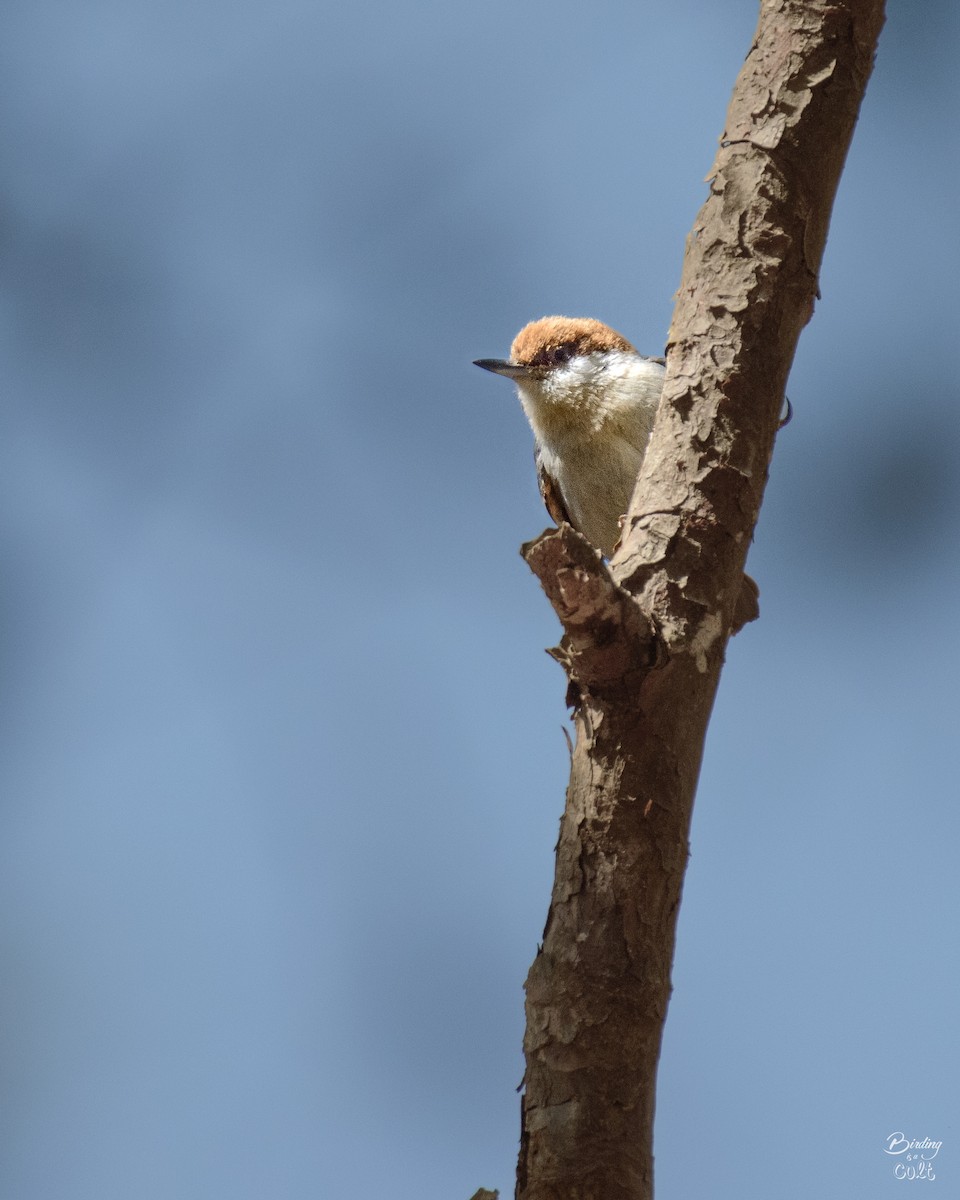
(555, 356)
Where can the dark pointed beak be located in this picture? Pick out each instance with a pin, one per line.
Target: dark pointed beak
(500, 366)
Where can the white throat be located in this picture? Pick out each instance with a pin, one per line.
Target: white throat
(579, 397)
(592, 418)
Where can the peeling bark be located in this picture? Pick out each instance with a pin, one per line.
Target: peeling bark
(645, 635)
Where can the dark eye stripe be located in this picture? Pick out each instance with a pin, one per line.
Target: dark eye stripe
(554, 356)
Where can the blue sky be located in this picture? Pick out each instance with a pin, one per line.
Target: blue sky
(281, 759)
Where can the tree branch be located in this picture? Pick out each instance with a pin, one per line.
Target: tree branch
(645, 636)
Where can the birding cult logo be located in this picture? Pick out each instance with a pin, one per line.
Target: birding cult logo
(914, 1155)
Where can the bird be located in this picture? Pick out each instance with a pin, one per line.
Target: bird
(591, 400)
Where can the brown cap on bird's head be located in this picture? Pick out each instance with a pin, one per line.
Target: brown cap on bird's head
(537, 343)
(552, 341)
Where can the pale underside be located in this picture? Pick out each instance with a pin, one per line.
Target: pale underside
(592, 419)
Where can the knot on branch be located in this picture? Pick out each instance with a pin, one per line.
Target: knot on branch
(607, 636)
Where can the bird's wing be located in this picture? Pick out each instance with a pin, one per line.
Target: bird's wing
(550, 491)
